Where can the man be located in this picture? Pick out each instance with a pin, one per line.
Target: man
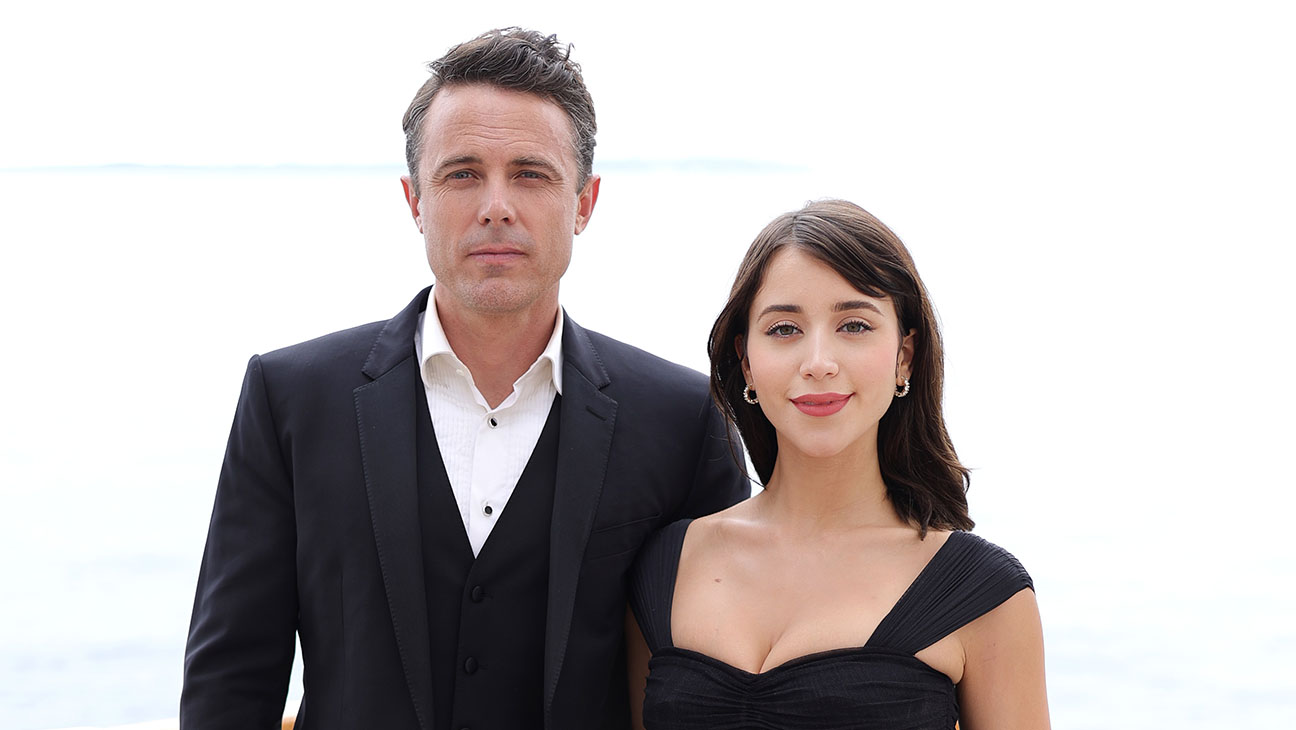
(444, 506)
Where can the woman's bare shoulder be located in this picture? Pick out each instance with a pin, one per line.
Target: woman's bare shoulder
(724, 535)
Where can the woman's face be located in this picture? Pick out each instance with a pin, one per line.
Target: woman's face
(823, 358)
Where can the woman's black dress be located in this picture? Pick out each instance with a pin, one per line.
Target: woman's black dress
(878, 685)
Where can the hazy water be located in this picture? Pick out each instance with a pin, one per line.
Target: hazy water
(1123, 394)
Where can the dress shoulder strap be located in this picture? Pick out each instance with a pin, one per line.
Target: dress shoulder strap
(966, 579)
(652, 583)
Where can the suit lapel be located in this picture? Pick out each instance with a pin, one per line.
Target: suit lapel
(387, 412)
(584, 442)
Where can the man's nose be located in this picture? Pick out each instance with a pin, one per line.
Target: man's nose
(497, 207)
(820, 359)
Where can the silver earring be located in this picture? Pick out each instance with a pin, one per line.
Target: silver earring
(902, 392)
(749, 395)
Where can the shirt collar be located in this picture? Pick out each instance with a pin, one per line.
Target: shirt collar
(432, 342)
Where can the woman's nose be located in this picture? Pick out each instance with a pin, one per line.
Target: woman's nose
(820, 360)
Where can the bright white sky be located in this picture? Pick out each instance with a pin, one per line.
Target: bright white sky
(994, 85)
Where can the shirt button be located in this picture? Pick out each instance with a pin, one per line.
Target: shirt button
(493, 423)
(488, 510)
(477, 594)
(470, 665)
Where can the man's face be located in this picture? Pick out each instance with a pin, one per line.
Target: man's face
(497, 201)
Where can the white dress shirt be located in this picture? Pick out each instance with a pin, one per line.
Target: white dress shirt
(484, 449)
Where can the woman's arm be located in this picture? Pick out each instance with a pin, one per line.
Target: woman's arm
(637, 656)
(1003, 675)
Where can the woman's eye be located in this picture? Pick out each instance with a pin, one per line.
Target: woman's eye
(856, 327)
(783, 329)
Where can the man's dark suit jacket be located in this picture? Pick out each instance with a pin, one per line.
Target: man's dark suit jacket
(316, 529)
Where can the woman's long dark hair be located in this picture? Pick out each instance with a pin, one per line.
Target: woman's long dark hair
(925, 481)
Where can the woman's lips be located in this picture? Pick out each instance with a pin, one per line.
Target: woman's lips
(821, 404)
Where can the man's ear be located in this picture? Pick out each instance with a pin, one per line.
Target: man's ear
(585, 201)
(904, 358)
(412, 199)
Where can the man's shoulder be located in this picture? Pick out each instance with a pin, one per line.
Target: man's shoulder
(332, 362)
(383, 342)
(351, 344)
(627, 364)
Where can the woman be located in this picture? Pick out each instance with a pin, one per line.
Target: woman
(844, 595)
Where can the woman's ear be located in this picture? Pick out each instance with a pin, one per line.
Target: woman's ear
(740, 345)
(904, 358)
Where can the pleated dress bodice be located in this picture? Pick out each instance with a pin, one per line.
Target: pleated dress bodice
(878, 685)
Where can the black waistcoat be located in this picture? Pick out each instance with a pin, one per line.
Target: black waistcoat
(486, 617)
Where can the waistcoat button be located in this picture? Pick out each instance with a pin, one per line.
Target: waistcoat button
(477, 594)
(470, 665)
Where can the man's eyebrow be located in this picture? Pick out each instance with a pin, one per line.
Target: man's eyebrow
(456, 161)
(537, 162)
(855, 304)
(793, 308)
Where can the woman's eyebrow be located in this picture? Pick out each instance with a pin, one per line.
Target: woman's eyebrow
(793, 308)
(855, 304)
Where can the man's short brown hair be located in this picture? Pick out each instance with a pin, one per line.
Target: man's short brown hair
(517, 59)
